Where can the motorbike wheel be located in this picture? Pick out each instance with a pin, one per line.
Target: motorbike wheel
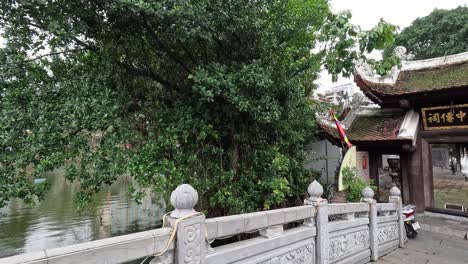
(412, 234)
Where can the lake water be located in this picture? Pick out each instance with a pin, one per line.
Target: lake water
(56, 222)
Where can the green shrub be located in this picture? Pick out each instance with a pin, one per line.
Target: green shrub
(355, 184)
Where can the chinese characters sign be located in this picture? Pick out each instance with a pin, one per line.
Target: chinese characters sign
(445, 117)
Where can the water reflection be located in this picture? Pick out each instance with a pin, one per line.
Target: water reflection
(55, 222)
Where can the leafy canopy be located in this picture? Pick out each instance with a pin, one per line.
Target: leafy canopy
(211, 93)
(441, 33)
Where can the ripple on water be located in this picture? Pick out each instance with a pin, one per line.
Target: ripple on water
(55, 222)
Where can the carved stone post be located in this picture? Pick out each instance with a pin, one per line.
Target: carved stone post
(315, 191)
(395, 197)
(190, 244)
(368, 197)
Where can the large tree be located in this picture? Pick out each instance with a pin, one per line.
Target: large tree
(207, 92)
(441, 33)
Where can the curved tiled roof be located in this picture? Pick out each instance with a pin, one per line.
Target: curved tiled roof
(417, 76)
(369, 128)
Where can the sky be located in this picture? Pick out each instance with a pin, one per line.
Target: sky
(367, 13)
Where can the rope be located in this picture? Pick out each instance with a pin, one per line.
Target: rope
(173, 234)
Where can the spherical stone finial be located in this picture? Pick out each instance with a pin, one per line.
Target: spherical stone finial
(367, 193)
(183, 198)
(394, 191)
(315, 190)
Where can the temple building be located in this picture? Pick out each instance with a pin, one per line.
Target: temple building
(423, 110)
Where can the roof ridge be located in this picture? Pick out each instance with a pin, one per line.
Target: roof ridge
(435, 62)
(368, 74)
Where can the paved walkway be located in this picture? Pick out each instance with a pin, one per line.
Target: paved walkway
(430, 248)
(453, 226)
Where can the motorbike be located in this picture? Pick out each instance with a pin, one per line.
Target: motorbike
(411, 225)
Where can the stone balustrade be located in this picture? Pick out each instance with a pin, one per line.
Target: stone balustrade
(322, 233)
(118, 249)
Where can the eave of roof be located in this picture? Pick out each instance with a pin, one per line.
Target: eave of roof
(414, 77)
(376, 126)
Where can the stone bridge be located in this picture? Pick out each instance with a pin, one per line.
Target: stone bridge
(322, 233)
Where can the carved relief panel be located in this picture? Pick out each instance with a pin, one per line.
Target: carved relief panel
(387, 233)
(341, 246)
(302, 255)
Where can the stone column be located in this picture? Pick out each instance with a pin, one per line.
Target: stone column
(190, 243)
(368, 197)
(395, 197)
(315, 191)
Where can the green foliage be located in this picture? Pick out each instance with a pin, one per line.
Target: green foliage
(441, 33)
(211, 93)
(340, 38)
(354, 184)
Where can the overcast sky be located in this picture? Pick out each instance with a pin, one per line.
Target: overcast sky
(367, 13)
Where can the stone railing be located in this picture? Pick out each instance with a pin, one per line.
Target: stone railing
(321, 233)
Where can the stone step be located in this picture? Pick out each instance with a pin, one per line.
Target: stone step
(444, 224)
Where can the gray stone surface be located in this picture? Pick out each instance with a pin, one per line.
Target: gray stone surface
(388, 218)
(346, 245)
(396, 199)
(389, 247)
(367, 194)
(190, 244)
(386, 207)
(430, 248)
(110, 250)
(456, 227)
(315, 191)
(322, 233)
(236, 224)
(183, 198)
(335, 226)
(272, 231)
(394, 191)
(167, 258)
(373, 232)
(387, 232)
(345, 208)
(38, 257)
(261, 249)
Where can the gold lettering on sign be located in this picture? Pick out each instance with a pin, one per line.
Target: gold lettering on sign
(449, 117)
(434, 118)
(461, 115)
(445, 117)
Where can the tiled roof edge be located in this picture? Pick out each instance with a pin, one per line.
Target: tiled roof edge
(367, 73)
(434, 62)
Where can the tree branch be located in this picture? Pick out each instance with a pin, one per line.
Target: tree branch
(150, 74)
(163, 47)
(52, 54)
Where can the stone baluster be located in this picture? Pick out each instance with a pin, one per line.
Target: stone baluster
(315, 191)
(368, 197)
(395, 197)
(190, 244)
